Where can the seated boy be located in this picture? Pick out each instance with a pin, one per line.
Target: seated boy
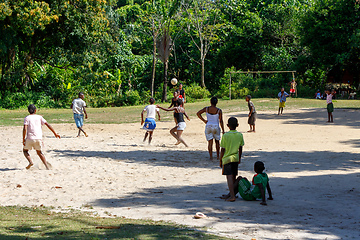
(260, 182)
(230, 156)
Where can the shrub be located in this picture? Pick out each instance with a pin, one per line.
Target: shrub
(194, 91)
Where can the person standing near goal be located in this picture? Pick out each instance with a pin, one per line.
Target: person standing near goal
(293, 85)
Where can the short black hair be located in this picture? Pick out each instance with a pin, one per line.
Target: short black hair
(214, 101)
(152, 100)
(248, 96)
(259, 167)
(81, 93)
(31, 108)
(233, 123)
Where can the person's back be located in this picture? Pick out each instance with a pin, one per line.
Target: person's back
(259, 178)
(212, 115)
(231, 141)
(151, 111)
(34, 124)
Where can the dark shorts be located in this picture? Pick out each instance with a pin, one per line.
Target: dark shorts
(230, 169)
(330, 107)
(252, 119)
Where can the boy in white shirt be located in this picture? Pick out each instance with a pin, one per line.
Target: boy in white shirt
(32, 135)
(150, 123)
(78, 106)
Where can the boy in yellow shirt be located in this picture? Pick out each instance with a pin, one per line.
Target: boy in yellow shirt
(231, 145)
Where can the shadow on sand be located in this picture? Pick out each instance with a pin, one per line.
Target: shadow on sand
(314, 192)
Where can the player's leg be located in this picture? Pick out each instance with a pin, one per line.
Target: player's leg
(27, 156)
(42, 157)
(217, 145)
(210, 149)
(150, 136)
(146, 135)
(179, 133)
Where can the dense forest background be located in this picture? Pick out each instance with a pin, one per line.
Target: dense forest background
(122, 52)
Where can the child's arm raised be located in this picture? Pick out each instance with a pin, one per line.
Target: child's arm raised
(262, 191)
(51, 129)
(269, 191)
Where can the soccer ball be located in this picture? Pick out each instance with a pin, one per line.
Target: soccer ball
(173, 81)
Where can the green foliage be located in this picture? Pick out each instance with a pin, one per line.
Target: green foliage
(194, 91)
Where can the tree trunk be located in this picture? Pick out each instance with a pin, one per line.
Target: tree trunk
(153, 67)
(203, 73)
(164, 97)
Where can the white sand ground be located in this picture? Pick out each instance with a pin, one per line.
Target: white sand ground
(314, 171)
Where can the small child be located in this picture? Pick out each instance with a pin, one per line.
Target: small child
(32, 135)
(260, 182)
(78, 106)
(330, 105)
(231, 145)
(282, 97)
(252, 114)
(150, 123)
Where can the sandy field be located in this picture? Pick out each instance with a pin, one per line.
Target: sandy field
(313, 166)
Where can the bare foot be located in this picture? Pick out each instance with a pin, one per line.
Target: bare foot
(177, 143)
(86, 135)
(230, 199)
(250, 131)
(29, 166)
(225, 196)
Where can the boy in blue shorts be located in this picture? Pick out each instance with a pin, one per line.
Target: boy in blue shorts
(78, 106)
(150, 123)
(231, 145)
(260, 183)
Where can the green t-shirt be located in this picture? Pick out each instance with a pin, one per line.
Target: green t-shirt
(259, 178)
(231, 141)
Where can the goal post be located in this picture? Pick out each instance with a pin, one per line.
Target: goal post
(260, 72)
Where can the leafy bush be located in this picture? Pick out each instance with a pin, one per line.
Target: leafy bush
(194, 91)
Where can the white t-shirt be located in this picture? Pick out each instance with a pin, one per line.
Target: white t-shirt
(151, 111)
(78, 105)
(34, 126)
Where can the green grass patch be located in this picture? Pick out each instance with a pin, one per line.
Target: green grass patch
(41, 223)
(131, 114)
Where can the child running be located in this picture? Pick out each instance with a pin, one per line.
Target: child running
(260, 183)
(78, 106)
(212, 128)
(150, 123)
(32, 135)
(179, 113)
(252, 114)
(330, 105)
(231, 145)
(282, 97)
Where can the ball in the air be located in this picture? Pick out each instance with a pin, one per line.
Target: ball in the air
(174, 81)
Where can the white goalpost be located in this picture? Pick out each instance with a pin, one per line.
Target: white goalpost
(259, 72)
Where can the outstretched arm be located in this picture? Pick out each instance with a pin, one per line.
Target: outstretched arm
(166, 109)
(200, 116)
(51, 129)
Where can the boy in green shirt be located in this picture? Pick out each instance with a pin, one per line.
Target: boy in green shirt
(260, 182)
(230, 156)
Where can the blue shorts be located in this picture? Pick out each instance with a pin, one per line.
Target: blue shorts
(79, 120)
(149, 124)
